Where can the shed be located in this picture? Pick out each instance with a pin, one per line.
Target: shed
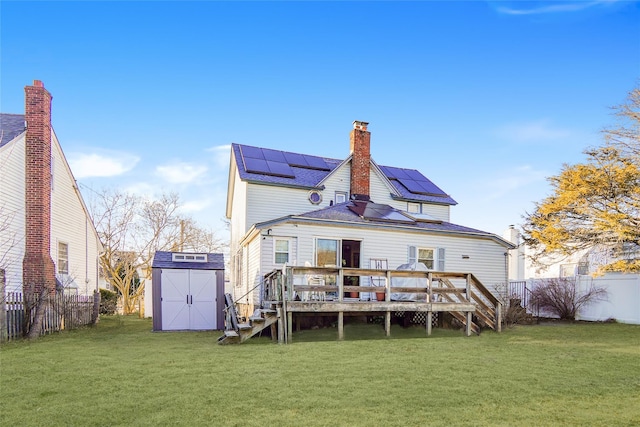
(187, 291)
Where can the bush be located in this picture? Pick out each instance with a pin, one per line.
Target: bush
(108, 301)
(561, 296)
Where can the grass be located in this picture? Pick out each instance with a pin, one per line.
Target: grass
(122, 374)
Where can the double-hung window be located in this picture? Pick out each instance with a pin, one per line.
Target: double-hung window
(63, 258)
(281, 251)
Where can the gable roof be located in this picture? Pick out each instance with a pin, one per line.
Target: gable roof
(11, 125)
(164, 259)
(268, 166)
(369, 214)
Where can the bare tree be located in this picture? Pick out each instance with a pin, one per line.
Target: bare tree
(132, 229)
(562, 297)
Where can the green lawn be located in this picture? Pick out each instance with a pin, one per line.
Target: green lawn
(120, 373)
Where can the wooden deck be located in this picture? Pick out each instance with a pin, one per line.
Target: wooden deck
(296, 290)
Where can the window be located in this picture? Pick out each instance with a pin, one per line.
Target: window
(281, 251)
(63, 258)
(426, 256)
(568, 270)
(177, 257)
(341, 197)
(326, 252)
(414, 207)
(433, 259)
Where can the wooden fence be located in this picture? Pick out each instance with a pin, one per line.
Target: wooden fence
(61, 312)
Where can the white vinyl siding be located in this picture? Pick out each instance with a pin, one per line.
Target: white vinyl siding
(12, 215)
(70, 224)
(485, 259)
(69, 220)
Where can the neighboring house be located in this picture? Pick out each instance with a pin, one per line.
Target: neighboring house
(298, 209)
(623, 290)
(47, 237)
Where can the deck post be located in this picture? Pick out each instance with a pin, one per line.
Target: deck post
(340, 325)
(429, 320)
(430, 291)
(468, 328)
(498, 317)
(387, 323)
(280, 325)
(289, 326)
(469, 287)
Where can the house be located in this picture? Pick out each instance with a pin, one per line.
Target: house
(297, 209)
(623, 289)
(47, 238)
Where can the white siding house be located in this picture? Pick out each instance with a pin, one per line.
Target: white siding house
(297, 209)
(69, 235)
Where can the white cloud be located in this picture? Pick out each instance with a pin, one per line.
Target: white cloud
(195, 205)
(513, 180)
(220, 155)
(181, 172)
(538, 131)
(554, 7)
(101, 164)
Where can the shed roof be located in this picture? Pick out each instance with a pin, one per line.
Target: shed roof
(164, 259)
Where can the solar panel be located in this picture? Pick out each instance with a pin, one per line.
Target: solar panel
(412, 185)
(316, 162)
(255, 165)
(295, 159)
(414, 175)
(274, 155)
(429, 187)
(280, 169)
(379, 212)
(251, 152)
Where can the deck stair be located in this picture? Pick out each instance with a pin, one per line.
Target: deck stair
(237, 332)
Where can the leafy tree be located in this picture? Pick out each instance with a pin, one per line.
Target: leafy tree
(595, 204)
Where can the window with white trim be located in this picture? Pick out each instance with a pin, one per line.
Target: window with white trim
(568, 270)
(341, 197)
(413, 207)
(183, 257)
(432, 258)
(281, 250)
(326, 252)
(63, 258)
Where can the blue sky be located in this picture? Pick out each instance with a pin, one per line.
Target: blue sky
(486, 98)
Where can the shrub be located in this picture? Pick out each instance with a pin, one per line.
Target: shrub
(561, 296)
(108, 301)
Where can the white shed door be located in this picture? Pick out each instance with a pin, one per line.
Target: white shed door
(203, 299)
(188, 300)
(175, 293)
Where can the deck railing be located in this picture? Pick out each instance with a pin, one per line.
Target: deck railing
(328, 284)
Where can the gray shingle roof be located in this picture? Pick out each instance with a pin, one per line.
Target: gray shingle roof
(11, 125)
(311, 178)
(345, 212)
(163, 259)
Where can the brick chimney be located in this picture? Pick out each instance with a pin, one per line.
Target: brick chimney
(360, 161)
(38, 270)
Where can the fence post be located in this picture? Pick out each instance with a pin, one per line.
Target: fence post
(96, 307)
(3, 307)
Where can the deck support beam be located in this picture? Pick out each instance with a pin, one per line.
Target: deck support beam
(340, 325)
(429, 321)
(468, 326)
(289, 326)
(387, 323)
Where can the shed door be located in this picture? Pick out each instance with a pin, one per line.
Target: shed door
(188, 300)
(175, 293)
(203, 299)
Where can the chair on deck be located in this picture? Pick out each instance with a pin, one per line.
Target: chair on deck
(378, 264)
